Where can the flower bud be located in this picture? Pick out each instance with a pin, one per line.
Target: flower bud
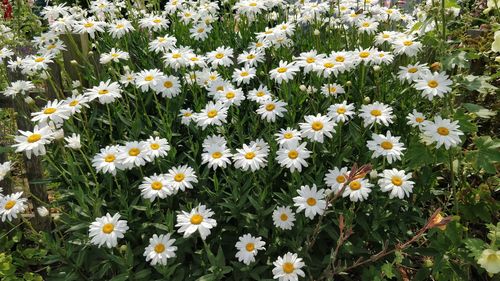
(376, 68)
(366, 100)
(74, 62)
(436, 66)
(29, 100)
(316, 32)
(348, 83)
(42, 211)
(303, 88)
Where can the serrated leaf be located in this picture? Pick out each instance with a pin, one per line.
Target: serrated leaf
(388, 270)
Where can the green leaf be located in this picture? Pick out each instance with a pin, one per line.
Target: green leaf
(486, 154)
(479, 110)
(475, 246)
(388, 270)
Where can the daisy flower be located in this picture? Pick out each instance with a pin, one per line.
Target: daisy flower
(283, 217)
(287, 135)
(153, 22)
(55, 111)
(106, 92)
(230, 96)
(332, 90)
(18, 87)
(148, 79)
(368, 26)
(35, 141)
(168, 86)
(433, 84)
(397, 182)
(4, 170)
(155, 147)
(386, 146)
(376, 113)
(336, 178)
(443, 131)
(341, 112)
(217, 156)
(412, 72)
(284, 72)
(12, 205)
(106, 160)
(160, 249)
(416, 119)
(120, 27)
(73, 142)
(162, 44)
(288, 268)
(310, 200)
(309, 60)
(270, 109)
(251, 58)
(316, 127)
(107, 230)
(76, 102)
(212, 114)
(115, 55)
(260, 94)
(250, 157)
(198, 219)
(243, 75)
(221, 56)
(156, 186)
(186, 116)
(248, 247)
(407, 46)
(132, 155)
(181, 177)
(89, 26)
(358, 190)
(293, 155)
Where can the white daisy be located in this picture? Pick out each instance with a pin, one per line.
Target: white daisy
(386, 146)
(341, 112)
(443, 131)
(283, 217)
(376, 113)
(156, 186)
(248, 247)
(293, 155)
(12, 205)
(160, 249)
(250, 157)
(433, 84)
(287, 135)
(107, 230)
(198, 219)
(358, 190)
(336, 178)
(316, 127)
(311, 200)
(271, 108)
(35, 141)
(397, 182)
(181, 177)
(288, 268)
(212, 114)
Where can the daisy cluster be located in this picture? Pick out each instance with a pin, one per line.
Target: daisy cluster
(228, 83)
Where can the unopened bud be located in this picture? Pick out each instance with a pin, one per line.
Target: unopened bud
(436, 66)
(42, 211)
(303, 88)
(73, 62)
(316, 32)
(376, 68)
(366, 100)
(29, 100)
(348, 84)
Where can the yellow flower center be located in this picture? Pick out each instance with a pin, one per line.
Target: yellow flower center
(288, 267)
(282, 69)
(259, 44)
(433, 84)
(340, 179)
(310, 60)
(317, 125)
(443, 131)
(176, 55)
(386, 145)
(340, 59)
(49, 110)
(73, 103)
(397, 181)
(419, 119)
(187, 114)
(249, 155)
(311, 201)
(159, 248)
(157, 21)
(109, 158)
(154, 146)
(293, 154)
(219, 56)
(288, 136)
(10, 204)
(40, 59)
(244, 74)
(341, 110)
(168, 84)
(108, 228)
(407, 43)
(114, 55)
(230, 95)
(201, 29)
(284, 217)
(250, 247)
(212, 113)
(412, 70)
(51, 46)
(103, 92)
(251, 56)
(196, 219)
(179, 177)
(366, 24)
(149, 78)
(385, 36)
(270, 107)
(355, 185)
(216, 155)
(332, 89)
(260, 94)
(364, 55)
(34, 138)
(134, 151)
(376, 112)
(156, 185)
(88, 25)
(253, 4)
(120, 26)
(328, 65)
(195, 59)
